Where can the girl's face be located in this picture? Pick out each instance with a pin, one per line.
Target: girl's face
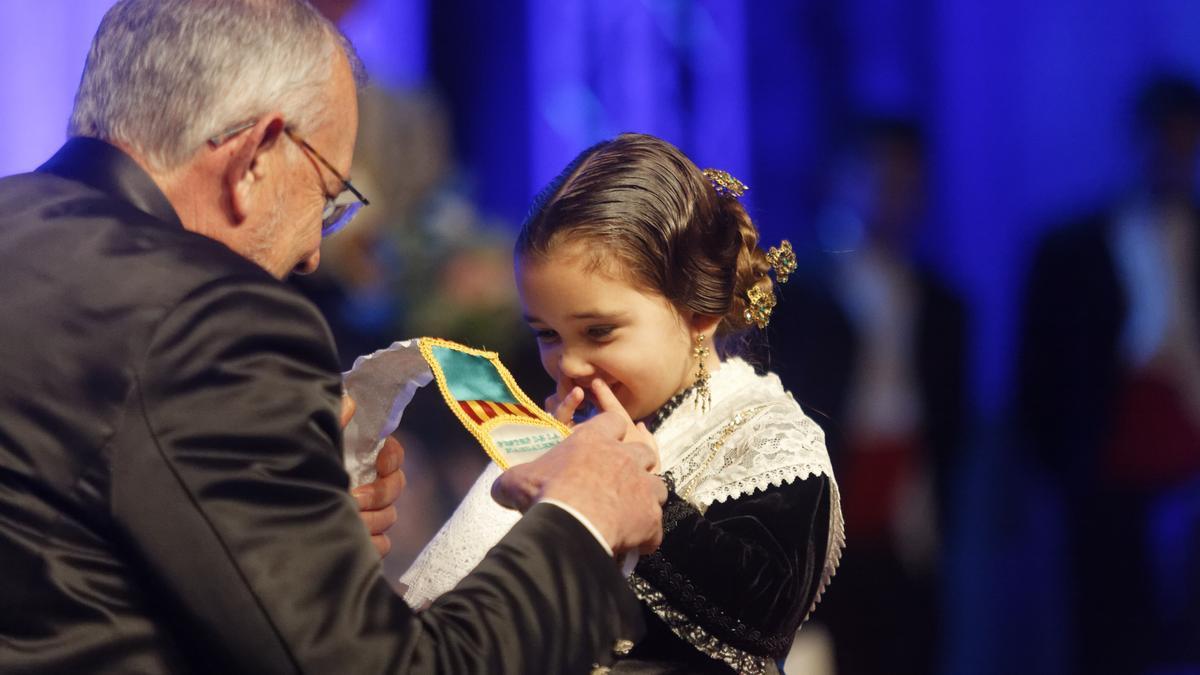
(589, 324)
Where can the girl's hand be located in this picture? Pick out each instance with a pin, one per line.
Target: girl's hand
(607, 401)
(563, 403)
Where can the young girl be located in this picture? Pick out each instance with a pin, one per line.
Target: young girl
(631, 266)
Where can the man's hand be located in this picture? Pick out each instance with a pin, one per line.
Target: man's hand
(377, 499)
(603, 471)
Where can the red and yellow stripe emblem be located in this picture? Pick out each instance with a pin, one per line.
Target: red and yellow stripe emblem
(481, 411)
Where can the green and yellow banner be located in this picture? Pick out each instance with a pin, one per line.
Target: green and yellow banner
(483, 395)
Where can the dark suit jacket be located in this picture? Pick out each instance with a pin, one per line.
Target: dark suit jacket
(171, 491)
(1070, 365)
(1071, 369)
(815, 346)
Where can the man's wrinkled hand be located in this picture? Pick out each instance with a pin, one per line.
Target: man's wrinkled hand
(600, 474)
(377, 499)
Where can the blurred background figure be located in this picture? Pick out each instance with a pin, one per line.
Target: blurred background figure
(874, 345)
(422, 255)
(421, 260)
(1110, 398)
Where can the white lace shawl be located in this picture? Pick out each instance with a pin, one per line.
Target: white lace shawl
(754, 436)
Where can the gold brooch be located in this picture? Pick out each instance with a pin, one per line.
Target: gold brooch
(761, 304)
(725, 184)
(782, 260)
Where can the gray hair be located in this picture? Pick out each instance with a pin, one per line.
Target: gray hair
(162, 76)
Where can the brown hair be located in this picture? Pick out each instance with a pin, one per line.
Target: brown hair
(646, 206)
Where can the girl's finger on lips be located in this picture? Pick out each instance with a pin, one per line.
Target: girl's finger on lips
(607, 401)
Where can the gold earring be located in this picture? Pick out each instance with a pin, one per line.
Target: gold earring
(703, 393)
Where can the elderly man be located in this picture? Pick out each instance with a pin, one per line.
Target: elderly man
(171, 490)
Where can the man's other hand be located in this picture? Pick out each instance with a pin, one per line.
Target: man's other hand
(377, 499)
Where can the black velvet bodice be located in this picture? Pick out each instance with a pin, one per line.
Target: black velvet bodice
(746, 571)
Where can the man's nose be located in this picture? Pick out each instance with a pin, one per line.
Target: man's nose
(309, 264)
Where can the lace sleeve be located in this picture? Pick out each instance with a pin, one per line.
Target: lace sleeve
(775, 446)
(475, 527)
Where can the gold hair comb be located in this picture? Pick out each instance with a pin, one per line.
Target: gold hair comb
(761, 304)
(782, 260)
(725, 184)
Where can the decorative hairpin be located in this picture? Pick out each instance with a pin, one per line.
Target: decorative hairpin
(782, 260)
(761, 304)
(725, 184)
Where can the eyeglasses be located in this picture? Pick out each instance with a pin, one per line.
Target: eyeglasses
(341, 208)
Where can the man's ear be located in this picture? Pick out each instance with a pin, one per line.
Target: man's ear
(249, 165)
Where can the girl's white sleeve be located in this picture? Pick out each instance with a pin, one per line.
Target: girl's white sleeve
(476, 526)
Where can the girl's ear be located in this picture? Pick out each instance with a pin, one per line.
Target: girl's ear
(704, 323)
